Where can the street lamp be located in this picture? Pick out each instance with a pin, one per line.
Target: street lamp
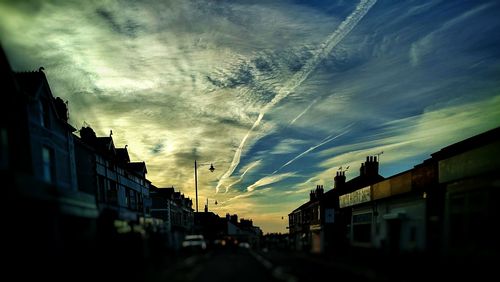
(196, 179)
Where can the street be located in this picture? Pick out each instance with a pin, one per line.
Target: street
(219, 265)
(247, 265)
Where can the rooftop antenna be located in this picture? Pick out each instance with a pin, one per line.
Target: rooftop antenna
(343, 169)
(378, 155)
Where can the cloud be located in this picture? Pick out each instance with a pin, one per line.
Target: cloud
(303, 112)
(326, 140)
(269, 180)
(245, 169)
(302, 72)
(424, 46)
(415, 138)
(255, 85)
(287, 146)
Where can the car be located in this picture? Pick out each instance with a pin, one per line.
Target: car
(196, 242)
(244, 245)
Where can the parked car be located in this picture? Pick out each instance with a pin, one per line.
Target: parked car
(244, 245)
(194, 242)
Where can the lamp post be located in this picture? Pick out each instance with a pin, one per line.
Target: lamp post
(196, 179)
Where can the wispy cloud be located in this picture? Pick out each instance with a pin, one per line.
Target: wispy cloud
(303, 73)
(424, 45)
(253, 86)
(245, 170)
(287, 146)
(323, 142)
(416, 137)
(269, 180)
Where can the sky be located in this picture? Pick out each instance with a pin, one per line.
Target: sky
(278, 95)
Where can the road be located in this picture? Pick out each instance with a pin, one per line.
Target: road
(241, 265)
(223, 265)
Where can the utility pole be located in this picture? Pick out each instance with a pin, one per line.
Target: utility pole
(196, 183)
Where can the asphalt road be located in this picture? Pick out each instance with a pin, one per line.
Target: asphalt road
(235, 265)
(241, 265)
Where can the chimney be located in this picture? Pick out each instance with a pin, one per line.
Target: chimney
(371, 166)
(362, 169)
(88, 135)
(319, 191)
(62, 109)
(312, 196)
(234, 219)
(339, 179)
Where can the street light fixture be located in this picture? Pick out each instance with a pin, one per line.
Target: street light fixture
(196, 178)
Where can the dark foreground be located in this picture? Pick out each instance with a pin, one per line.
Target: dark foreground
(240, 265)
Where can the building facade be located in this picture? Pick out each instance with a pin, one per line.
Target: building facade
(176, 212)
(442, 207)
(50, 216)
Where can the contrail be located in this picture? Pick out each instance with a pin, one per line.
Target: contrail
(329, 138)
(237, 155)
(303, 112)
(325, 48)
(254, 164)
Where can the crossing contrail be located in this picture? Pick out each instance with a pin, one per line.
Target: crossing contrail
(303, 112)
(254, 164)
(328, 139)
(296, 80)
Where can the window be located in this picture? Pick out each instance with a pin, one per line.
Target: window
(133, 200)
(48, 164)
(140, 201)
(101, 192)
(4, 148)
(112, 195)
(127, 197)
(45, 119)
(361, 227)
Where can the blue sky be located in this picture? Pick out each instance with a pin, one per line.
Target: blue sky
(277, 94)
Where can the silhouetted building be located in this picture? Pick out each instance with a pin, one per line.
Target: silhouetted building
(51, 218)
(177, 214)
(244, 231)
(442, 210)
(120, 187)
(228, 229)
(210, 225)
(469, 176)
(305, 221)
(324, 222)
(441, 206)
